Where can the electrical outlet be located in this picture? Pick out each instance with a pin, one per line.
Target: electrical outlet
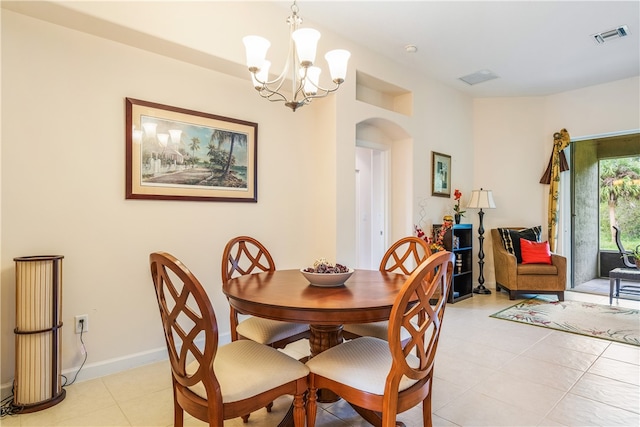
(82, 323)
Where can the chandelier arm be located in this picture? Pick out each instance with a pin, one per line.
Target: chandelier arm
(267, 90)
(270, 94)
(278, 81)
(325, 92)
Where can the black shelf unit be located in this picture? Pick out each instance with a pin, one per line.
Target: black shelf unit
(459, 240)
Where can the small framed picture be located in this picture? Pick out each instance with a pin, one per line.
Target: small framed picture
(440, 175)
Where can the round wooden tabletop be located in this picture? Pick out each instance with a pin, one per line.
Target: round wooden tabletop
(367, 296)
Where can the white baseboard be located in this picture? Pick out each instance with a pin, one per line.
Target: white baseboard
(112, 366)
(105, 367)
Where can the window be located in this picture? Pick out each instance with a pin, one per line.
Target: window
(619, 201)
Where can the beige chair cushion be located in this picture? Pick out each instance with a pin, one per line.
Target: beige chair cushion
(245, 368)
(539, 269)
(362, 363)
(266, 331)
(374, 329)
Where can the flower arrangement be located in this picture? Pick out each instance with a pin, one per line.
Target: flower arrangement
(438, 243)
(435, 244)
(457, 195)
(423, 236)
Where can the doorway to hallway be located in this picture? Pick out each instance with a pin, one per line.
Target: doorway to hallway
(371, 206)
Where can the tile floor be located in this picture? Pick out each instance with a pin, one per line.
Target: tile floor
(601, 286)
(489, 372)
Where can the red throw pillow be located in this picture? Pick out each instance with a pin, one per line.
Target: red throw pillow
(535, 252)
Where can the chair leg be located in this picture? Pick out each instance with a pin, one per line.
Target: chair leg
(427, 420)
(245, 418)
(298, 410)
(269, 406)
(311, 406)
(178, 412)
(178, 415)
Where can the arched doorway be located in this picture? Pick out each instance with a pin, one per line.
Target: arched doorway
(384, 187)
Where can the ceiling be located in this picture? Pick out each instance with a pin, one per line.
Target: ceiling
(535, 47)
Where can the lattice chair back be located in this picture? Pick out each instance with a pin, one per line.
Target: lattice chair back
(216, 383)
(190, 327)
(245, 255)
(395, 375)
(428, 280)
(405, 255)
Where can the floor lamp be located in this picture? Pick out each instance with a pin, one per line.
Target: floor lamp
(481, 199)
(38, 331)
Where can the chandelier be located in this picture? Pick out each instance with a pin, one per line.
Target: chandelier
(299, 66)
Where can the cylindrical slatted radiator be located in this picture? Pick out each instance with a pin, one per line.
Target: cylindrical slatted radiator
(37, 383)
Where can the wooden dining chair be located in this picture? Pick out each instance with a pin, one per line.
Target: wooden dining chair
(401, 257)
(246, 255)
(215, 383)
(387, 377)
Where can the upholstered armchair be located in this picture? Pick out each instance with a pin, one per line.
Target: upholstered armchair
(517, 277)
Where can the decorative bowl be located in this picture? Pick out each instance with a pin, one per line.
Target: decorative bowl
(327, 280)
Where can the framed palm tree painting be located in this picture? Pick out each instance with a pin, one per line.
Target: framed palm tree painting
(178, 154)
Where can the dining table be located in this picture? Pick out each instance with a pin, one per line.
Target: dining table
(286, 295)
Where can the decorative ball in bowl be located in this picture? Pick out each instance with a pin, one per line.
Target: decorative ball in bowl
(326, 275)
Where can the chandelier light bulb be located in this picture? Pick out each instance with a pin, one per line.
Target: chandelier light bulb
(306, 40)
(337, 60)
(256, 49)
(312, 80)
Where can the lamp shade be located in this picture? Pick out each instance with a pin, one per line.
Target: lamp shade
(306, 40)
(337, 60)
(38, 331)
(256, 49)
(312, 80)
(481, 199)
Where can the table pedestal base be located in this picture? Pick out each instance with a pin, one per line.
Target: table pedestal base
(321, 338)
(324, 337)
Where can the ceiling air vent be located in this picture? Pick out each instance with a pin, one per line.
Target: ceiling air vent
(478, 77)
(616, 33)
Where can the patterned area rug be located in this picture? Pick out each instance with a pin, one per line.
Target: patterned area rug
(584, 318)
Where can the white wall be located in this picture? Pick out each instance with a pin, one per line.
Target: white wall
(513, 139)
(62, 170)
(63, 174)
(63, 183)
